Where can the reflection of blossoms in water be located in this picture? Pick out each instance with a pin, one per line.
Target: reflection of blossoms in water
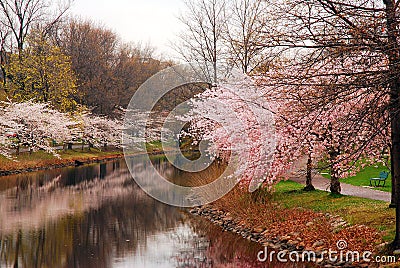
(103, 227)
(191, 251)
(87, 215)
(42, 199)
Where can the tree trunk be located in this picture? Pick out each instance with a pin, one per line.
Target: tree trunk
(393, 197)
(394, 57)
(395, 137)
(4, 73)
(335, 184)
(333, 154)
(309, 186)
(259, 195)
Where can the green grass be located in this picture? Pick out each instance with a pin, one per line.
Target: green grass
(362, 177)
(154, 146)
(29, 157)
(354, 210)
(86, 153)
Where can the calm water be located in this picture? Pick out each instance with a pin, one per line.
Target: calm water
(96, 216)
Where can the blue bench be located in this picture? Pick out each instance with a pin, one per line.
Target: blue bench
(383, 175)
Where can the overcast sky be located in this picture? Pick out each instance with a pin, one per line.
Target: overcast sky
(153, 21)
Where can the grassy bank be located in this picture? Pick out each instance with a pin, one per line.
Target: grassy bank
(310, 217)
(354, 210)
(42, 159)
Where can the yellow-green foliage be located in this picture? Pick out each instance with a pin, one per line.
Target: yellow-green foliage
(42, 72)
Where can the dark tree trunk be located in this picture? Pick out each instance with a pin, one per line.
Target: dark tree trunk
(4, 73)
(309, 186)
(393, 198)
(395, 136)
(335, 184)
(396, 172)
(333, 154)
(394, 57)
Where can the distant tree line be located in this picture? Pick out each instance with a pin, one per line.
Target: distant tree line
(50, 57)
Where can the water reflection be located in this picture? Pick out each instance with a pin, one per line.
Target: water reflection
(96, 216)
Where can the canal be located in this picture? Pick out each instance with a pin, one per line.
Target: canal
(96, 216)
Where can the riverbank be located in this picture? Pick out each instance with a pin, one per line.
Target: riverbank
(290, 219)
(26, 162)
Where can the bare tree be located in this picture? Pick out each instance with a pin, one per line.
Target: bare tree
(20, 15)
(225, 34)
(4, 38)
(92, 50)
(245, 26)
(202, 38)
(135, 63)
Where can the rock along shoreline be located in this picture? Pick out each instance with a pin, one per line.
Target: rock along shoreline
(259, 235)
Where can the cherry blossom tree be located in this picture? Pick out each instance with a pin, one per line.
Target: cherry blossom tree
(99, 131)
(237, 121)
(315, 125)
(237, 118)
(37, 125)
(34, 125)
